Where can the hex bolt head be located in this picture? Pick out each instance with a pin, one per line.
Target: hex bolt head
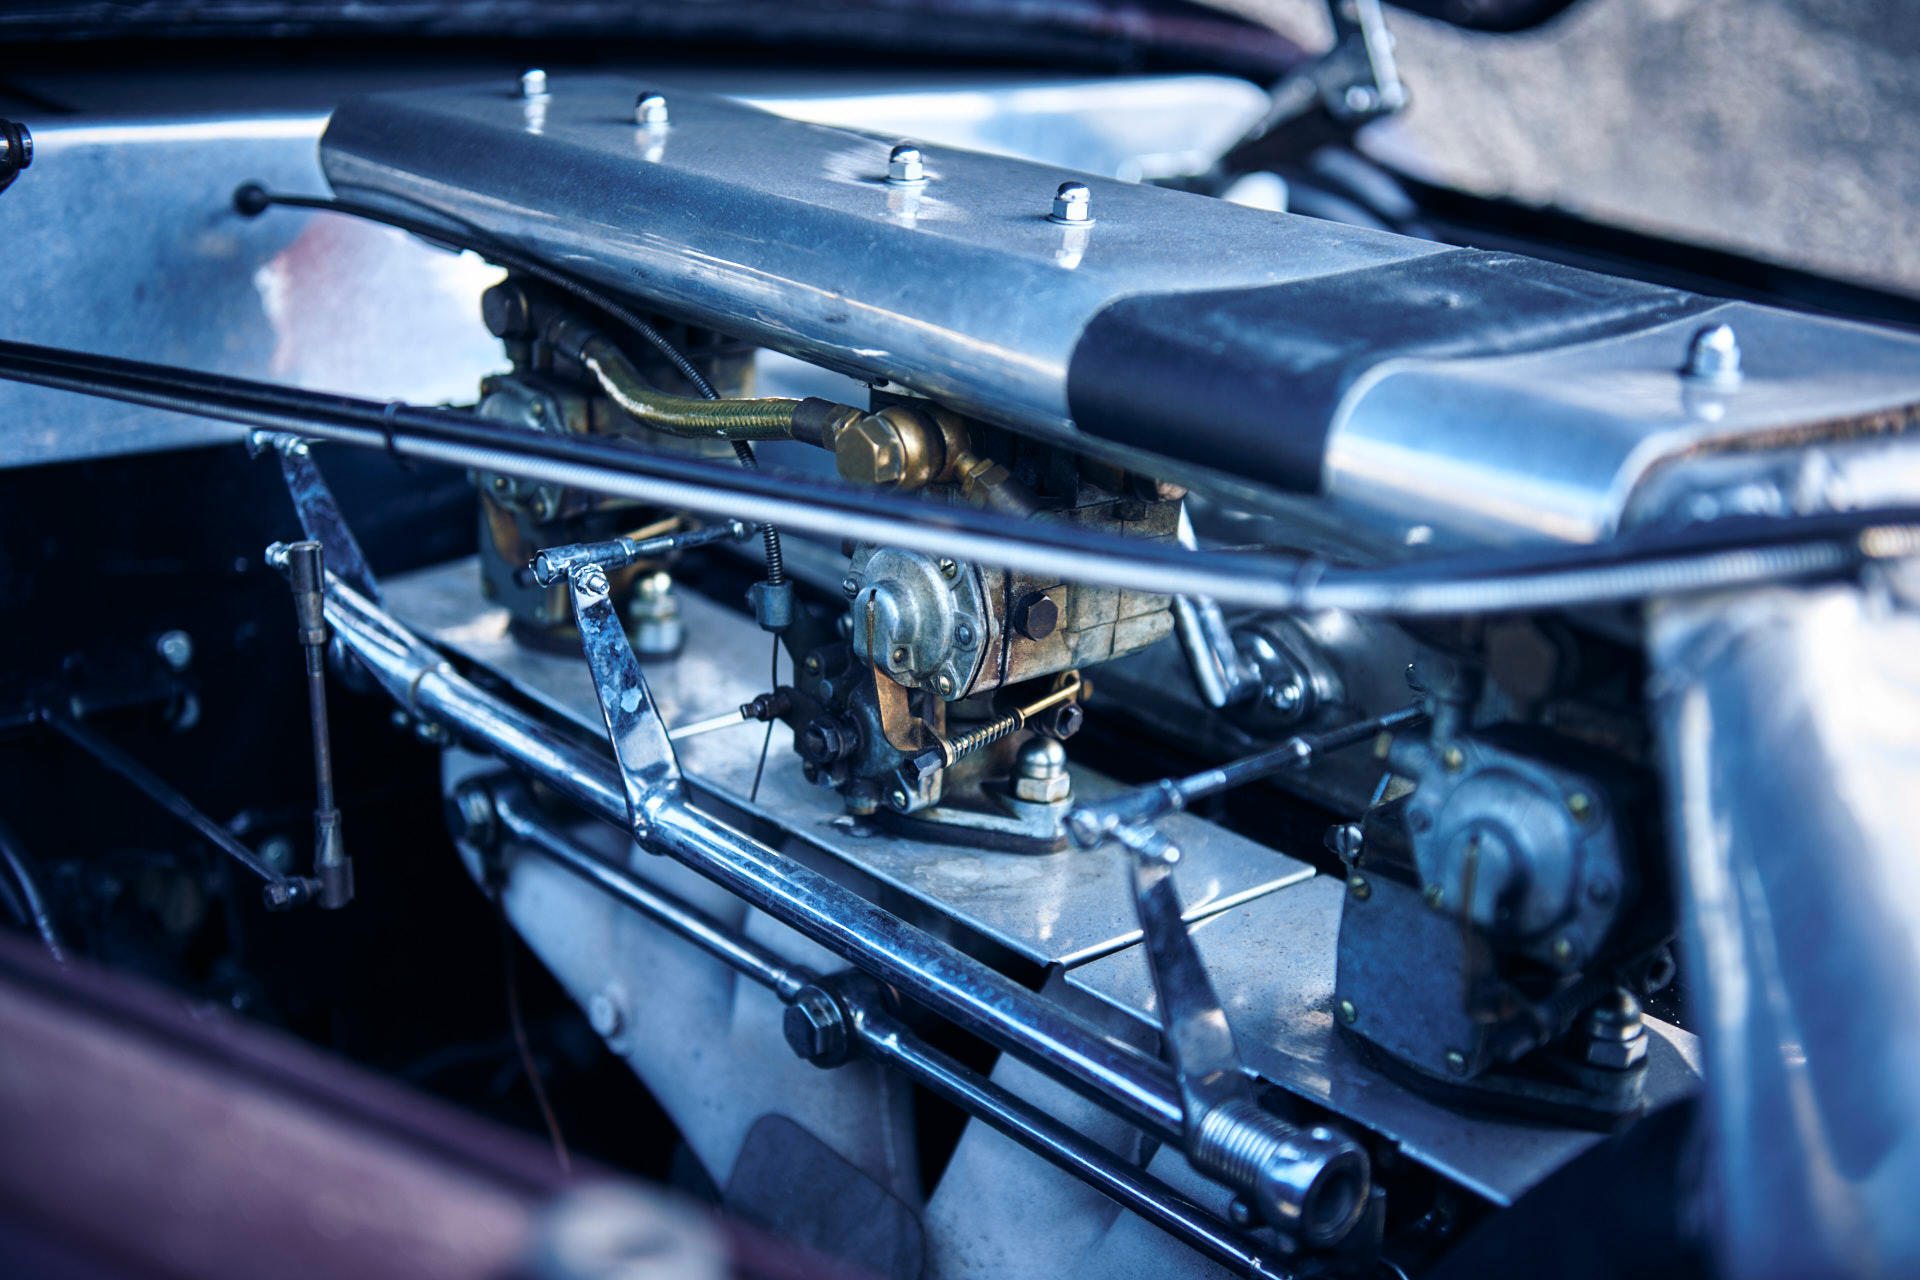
(1714, 356)
(906, 166)
(650, 109)
(815, 1029)
(533, 83)
(1036, 616)
(1072, 205)
(175, 649)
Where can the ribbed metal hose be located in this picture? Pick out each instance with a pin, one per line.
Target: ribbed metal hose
(692, 416)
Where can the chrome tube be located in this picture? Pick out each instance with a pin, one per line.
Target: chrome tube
(884, 1039)
(921, 967)
(743, 955)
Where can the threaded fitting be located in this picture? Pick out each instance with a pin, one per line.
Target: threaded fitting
(1308, 1183)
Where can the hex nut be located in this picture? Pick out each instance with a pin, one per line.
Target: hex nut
(1072, 204)
(906, 166)
(869, 451)
(650, 109)
(1617, 1055)
(1040, 773)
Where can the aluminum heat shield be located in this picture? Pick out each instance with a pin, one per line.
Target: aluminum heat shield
(1433, 394)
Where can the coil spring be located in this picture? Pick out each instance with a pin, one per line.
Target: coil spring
(769, 536)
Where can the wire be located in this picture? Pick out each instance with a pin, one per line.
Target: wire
(766, 740)
(508, 941)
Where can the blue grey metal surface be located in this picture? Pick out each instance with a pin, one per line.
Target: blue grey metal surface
(1272, 959)
(122, 239)
(1551, 446)
(789, 234)
(1061, 908)
(1789, 722)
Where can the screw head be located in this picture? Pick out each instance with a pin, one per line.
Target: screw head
(1286, 697)
(1359, 888)
(1359, 99)
(899, 801)
(1348, 1014)
(943, 685)
(1580, 805)
(850, 585)
(1453, 759)
(899, 656)
(1714, 356)
(175, 649)
(533, 83)
(963, 635)
(1241, 1214)
(949, 568)
(906, 166)
(1432, 896)
(812, 664)
(1072, 204)
(1562, 951)
(650, 109)
(1456, 1062)
(603, 1015)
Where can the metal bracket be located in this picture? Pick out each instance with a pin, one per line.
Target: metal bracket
(319, 514)
(1311, 1184)
(649, 771)
(1351, 84)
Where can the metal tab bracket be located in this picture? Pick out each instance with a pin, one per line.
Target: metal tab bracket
(1310, 1184)
(649, 771)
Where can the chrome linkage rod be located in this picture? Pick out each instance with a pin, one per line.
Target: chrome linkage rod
(1124, 816)
(648, 801)
(830, 1022)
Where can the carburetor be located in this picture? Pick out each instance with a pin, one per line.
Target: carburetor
(939, 705)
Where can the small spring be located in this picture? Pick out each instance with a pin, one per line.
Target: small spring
(776, 563)
(985, 736)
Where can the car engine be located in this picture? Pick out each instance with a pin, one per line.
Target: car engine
(1025, 710)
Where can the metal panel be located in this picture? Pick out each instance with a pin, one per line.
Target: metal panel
(122, 239)
(790, 235)
(1789, 726)
(1272, 960)
(1550, 445)
(1061, 908)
